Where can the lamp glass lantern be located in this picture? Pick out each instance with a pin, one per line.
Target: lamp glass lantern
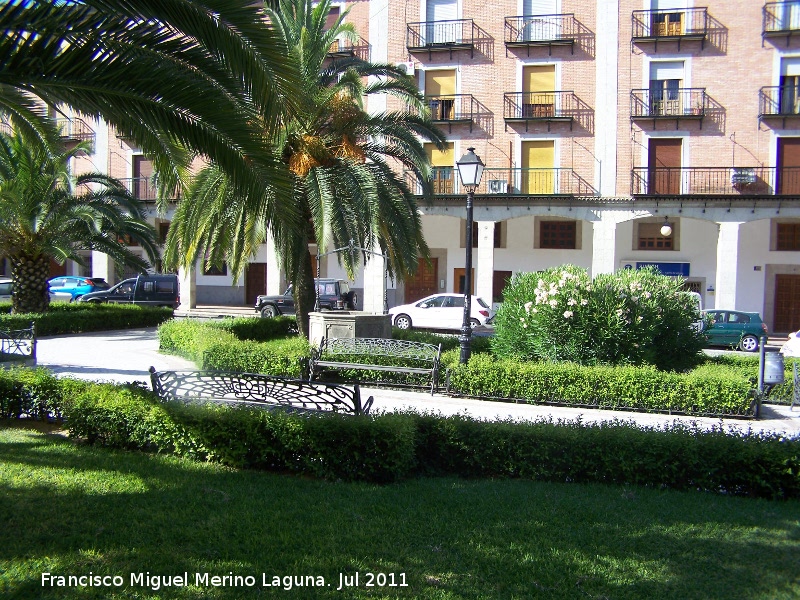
(470, 169)
(666, 228)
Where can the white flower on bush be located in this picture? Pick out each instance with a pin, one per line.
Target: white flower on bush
(528, 306)
(553, 302)
(647, 295)
(635, 298)
(572, 302)
(639, 319)
(620, 312)
(584, 302)
(567, 314)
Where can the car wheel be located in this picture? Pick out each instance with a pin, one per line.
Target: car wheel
(269, 312)
(75, 299)
(473, 323)
(353, 301)
(402, 322)
(749, 343)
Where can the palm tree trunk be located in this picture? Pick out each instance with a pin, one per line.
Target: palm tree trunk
(29, 275)
(304, 293)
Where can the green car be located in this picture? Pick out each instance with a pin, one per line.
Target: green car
(734, 328)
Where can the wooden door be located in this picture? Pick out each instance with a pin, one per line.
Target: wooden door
(787, 303)
(255, 282)
(500, 280)
(664, 166)
(458, 279)
(143, 175)
(423, 282)
(443, 171)
(789, 165)
(440, 90)
(538, 172)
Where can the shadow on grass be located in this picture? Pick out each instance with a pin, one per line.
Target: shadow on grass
(70, 509)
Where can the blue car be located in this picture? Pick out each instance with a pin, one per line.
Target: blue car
(75, 286)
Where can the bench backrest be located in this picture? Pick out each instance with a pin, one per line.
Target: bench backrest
(404, 349)
(18, 342)
(255, 388)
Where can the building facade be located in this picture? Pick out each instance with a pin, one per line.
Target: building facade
(615, 133)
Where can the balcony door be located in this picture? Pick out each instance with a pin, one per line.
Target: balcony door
(789, 13)
(437, 32)
(540, 20)
(666, 80)
(789, 165)
(538, 85)
(668, 21)
(142, 178)
(664, 166)
(538, 167)
(440, 90)
(790, 86)
(443, 162)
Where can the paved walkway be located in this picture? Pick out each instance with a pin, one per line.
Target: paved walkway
(119, 356)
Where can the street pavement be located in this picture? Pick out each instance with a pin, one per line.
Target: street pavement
(125, 356)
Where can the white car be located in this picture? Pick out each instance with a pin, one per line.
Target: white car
(440, 311)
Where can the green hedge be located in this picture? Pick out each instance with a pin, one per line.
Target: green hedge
(701, 391)
(392, 447)
(81, 317)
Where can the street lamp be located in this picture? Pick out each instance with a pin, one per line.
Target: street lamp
(666, 228)
(470, 170)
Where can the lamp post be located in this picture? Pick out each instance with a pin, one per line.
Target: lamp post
(470, 170)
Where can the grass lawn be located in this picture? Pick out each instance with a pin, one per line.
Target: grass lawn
(67, 509)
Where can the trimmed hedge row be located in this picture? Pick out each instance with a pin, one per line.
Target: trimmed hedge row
(387, 448)
(718, 387)
(81, 317)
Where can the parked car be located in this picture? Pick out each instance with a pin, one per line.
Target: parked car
(735, 329)
(76, 286)
(147, 290)
(6, 288)
(334, 294)
(440, 311)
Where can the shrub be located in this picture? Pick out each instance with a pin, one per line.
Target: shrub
(629, 317)
(80, 317)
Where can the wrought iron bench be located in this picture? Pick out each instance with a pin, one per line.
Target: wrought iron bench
(254, 389)
(349, 353)
(18, 345)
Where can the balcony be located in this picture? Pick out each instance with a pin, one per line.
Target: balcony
(669, 103)
(781, 19)
(673, 25)
(507, 182)
(443, 36)
(544, 31)
(715, 181)
(145, 189)
(546, 107)
(453, 110)
(779, 103)
(343, 48)
(74, 130)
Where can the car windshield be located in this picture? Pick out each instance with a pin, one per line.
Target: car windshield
(100, 283)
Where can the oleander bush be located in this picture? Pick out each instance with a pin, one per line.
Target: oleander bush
(390, 447)
(637, 317)
(64, 317)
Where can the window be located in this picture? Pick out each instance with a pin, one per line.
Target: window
(163, 230)
(215, 270)
(738, 318)
(788, 236)
(650, 237)
(557, 235)
(666, 80)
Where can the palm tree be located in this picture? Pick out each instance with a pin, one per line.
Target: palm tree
(178, 77)
(46, 214)
(343, 162)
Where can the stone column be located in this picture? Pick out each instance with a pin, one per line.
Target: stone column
(187, 286)
(103, 266)
(274, 285)
(604, 241)
(374, 283)
(727, 262)
(484, 265)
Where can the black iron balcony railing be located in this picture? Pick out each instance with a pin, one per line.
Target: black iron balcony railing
(541, 106)
(542, 30)
(75, 130)
(779, 101)
(432, 36)
(145, 189)
(781, 19)
(715, 181)
(670, 24)
(344, 48)
(673, 103)
(516, 182)
(455, 108)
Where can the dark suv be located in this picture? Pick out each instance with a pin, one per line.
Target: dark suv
(334, 294)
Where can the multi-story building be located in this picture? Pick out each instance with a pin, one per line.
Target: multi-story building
(615, 134)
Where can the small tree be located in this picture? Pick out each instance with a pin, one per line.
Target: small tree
(46, 214)
(628, 317)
